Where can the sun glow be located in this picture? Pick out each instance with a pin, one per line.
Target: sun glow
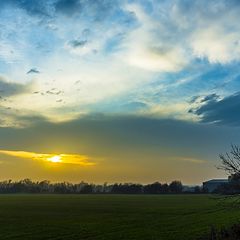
(55, 159)
(76, 159)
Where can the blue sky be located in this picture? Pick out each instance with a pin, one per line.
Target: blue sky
(62, 61)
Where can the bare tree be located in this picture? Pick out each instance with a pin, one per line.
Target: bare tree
(230, 161)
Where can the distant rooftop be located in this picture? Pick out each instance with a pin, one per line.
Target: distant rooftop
(216, 181)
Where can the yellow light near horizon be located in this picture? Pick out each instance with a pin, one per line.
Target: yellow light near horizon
(55, 159)
(76, 159)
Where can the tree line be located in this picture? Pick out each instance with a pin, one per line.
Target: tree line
(29, 186)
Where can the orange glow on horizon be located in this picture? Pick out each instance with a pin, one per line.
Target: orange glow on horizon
(77, 159)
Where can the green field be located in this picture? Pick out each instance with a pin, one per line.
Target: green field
(113, 217)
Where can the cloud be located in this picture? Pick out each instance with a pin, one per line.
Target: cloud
(190, 160)
(221, 111)
(8, 88)
(62, 158)
(78, 43)
(202, 99)
(212, 33)
(129, 44)
(170, 37)
(97, 10)
(210, 97)
(217, 44)
(156, 58)
(12, 117)
(68, 7)
(185, 31)
(33, 70)
(31, 7)
(150, 46)
(165, 36)
(177, 110)
(82, 47)
(101, 130)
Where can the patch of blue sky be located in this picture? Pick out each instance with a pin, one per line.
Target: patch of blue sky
(201, 84)
(126, 103)
(4, 67)
(123, 18)
(114, 43)
(218, 77)
(231, 84)
(188, 83)
(41, 41)
(124, 22)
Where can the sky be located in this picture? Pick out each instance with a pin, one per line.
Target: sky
(118, 91)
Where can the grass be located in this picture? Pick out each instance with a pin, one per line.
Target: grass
(112, 217)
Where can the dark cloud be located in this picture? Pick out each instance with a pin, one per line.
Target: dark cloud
(103, 135)
(68, 7)
(211, 97)
(202, 99)
(97, 10)
(33, 70)
(77, 43)
(199, 7)
(10, 88)
(225, 111)
(33, 7)
(194, 99)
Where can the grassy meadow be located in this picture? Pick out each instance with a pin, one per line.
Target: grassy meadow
(100, 217)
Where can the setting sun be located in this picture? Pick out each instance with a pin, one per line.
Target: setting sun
(55, 159)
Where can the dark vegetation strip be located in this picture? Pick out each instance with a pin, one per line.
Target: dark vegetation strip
(28, 186)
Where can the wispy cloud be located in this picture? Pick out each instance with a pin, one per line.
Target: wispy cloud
(146, 47)
(190, 160)
(77, 159)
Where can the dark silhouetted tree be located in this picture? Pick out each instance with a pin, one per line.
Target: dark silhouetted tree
(230, 161)
(197, 189)
(155, 188)
(29, 186)
(175, 187)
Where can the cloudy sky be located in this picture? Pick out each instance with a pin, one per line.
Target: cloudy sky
(127, 91)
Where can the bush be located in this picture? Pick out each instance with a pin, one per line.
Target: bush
(232, 233)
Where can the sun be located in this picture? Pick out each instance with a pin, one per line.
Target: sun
(55, 159)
